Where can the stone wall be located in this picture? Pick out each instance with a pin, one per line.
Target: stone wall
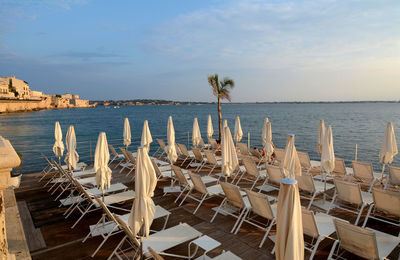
(11, 106)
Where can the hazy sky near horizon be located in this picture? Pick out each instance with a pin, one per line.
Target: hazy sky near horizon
(322, 50)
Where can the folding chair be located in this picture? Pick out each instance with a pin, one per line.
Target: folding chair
(363, 173)
(252, 171)
(307, 184)
(116, 156)
(393, 178)
(161, 148)
(366, 243)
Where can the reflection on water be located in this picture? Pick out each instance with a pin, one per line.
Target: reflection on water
(363, 124)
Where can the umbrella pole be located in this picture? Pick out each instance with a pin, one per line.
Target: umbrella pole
(355, 159)
(383, 171)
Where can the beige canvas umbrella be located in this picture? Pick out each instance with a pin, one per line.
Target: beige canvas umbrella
(171, 149)
(127, 133)
(327, 155)
(143, 208)
(237, 133)
(268, 147)
(289, 243)
(58, 147)
(225, 124)
(101, 158)
(196, 135)
(229, 156)
(72, 157)
(264, 133)
(146, 136)
(210, 130)
(290, 163)
(321, 134)
(389, 147)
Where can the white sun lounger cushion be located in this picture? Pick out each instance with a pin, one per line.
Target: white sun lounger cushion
(170, 237)
(117, 198)
(94, 192)
(386, 243)
(227, 256)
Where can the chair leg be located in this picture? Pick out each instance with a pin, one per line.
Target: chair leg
(201, 202)
(241, 222)
(333, 249)
(116, 248)
(368, 214)
(180, 204)
(243, 212)
(217, 211)
(359, 214)
(266, 233)
(315, 248)
(312, 200)
(184, 189)
(332, 202)
(83, 214)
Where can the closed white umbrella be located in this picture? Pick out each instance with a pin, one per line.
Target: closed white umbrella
(225, 124)
(196, 135)
(289, 227)
(210, 130)
(389, 147)
(143, 208)
(229, 156)
(146, 136)
(328, 153)
(72, 157)
(101, 158)
(264, 133)
(238, 133)
(321, 134)
(290, 164)
(268, 147)
(171, 149)
(58, 147)
(127, 133)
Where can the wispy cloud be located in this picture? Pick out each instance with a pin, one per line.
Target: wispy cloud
(85, 56)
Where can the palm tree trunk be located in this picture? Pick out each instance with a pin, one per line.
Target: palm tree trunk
(219, 119)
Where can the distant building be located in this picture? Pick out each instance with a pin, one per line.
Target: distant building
(5, 89)
(19, 88)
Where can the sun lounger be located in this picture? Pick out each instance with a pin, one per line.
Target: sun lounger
(366, 243)
(243, 149)
(185, 153)
(317, 226)
(279, 153)
(351, 194)
(160, 241)
(307, 185)
(234, 200)
(260, 206)
(252, 171)
(393, 178)
(161, 148)
(108, 226)
(385, 208)
(212, 161)
(214, 145)
(273, 180)
(130, 161)
(116, 156)
(198, 158)
(363, 173)
(200, 187)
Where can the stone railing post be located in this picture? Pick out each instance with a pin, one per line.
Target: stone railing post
(8, 160)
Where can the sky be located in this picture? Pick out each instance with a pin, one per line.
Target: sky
(322, 50)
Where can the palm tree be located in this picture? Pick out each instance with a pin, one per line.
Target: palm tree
(221, 89)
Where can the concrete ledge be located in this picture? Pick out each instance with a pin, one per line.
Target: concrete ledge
(17, 244)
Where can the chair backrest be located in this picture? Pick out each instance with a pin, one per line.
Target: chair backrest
(157, 170)
(363, 171)
(349, 192)
(387, 201)
(183, 149)
(127, 230)
(340, 167)
(232, 194)
(260, 204)
(210, 157)
(201, 143)
(357, 240)
(47, 160)
(197, 154)
(213, 142)
(243, 148)
(394, 175)
(130, 157)
(178, 151)
(274, 174)
(123, 151)
(250, 165)
(161, 143)
(304, 159)
(310, 227)
(198, 183)
(256, 153)
(179, 174)
(279, 153)
(112, 150)
(306, 183)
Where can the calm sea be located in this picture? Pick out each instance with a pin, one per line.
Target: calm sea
(352, 123)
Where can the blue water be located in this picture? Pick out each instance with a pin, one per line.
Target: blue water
(352, 123)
